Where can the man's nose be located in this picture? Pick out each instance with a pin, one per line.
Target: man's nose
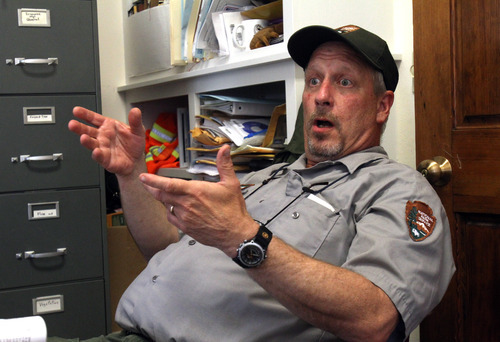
(324, 95)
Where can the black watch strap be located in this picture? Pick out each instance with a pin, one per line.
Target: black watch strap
(263, 238)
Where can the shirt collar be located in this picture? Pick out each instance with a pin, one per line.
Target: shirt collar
(351, 162)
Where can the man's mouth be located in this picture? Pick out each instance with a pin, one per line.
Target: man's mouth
(323, 123)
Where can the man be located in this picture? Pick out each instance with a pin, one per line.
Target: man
(343, 244)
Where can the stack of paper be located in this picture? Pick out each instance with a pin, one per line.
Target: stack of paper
(30, 328)
(241, 122)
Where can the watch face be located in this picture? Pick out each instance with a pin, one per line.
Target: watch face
(251, 254)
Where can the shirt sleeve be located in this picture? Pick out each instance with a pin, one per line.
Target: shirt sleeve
(403, 245)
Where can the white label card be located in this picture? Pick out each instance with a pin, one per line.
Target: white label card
(39, 118)
(33, 17)
(48, 213)
(49, 304)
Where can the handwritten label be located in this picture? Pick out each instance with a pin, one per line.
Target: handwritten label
(49, 304)
(49, 213)
(39, 118)
(33, 17)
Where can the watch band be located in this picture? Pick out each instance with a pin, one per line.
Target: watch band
(262, 239)
(263, 236)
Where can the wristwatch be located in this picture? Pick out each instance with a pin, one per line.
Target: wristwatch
(251, 253)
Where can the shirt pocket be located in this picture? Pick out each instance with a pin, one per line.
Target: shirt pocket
(306, 224)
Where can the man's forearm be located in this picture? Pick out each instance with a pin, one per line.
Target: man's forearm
(329, 297)
(146, 217)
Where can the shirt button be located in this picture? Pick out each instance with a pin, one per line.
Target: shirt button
(191, 242)
(155, 278)
(295, 215)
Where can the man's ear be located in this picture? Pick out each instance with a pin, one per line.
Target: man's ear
(384, 106)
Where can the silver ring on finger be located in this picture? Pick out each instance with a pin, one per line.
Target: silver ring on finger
(172, 210)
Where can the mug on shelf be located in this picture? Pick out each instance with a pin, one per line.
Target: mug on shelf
(244, 32)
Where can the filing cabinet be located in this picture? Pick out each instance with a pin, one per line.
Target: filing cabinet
(48, 46)
(53, 248)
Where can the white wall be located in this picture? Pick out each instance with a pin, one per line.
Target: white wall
(399, 139)
(112, 57)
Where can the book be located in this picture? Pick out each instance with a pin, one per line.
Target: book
(200, 42)
(116, 219)
(176, 32)
(191, 30)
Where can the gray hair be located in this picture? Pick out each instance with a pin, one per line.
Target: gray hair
(378, 83)
(379, 89)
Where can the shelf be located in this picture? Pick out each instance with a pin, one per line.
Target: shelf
(257, 57)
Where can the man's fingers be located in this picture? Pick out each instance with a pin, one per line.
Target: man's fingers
(81, 129)
(170, 186)
(225, 166)
(88, 116)
(88, 142)
(135, 121)
(156, 193)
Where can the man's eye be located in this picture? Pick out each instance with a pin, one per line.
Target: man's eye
(314, 81)
(345, 82)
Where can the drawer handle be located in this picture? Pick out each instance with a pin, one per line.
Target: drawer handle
(25, 61)
(26, 158)
(33, 255)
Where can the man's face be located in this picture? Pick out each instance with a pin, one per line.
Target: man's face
(342, 114)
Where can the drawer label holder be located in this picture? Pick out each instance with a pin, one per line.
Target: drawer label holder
(39, 115)
(48, 304)
(33, 17)
(43, 211)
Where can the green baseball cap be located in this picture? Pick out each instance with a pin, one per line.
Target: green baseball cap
(302, 44)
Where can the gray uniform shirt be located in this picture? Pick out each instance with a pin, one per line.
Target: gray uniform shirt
(363, 212)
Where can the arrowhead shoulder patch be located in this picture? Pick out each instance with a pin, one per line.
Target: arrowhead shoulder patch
(419, 220)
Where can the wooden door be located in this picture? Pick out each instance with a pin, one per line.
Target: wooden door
(457, 109)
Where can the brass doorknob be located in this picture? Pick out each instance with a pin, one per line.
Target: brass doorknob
(437, 171)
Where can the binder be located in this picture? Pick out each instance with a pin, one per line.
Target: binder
(238, 105)
(183, 137)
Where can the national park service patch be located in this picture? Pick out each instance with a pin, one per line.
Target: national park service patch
(419, 220)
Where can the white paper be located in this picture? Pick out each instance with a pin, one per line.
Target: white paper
(322, 202)
(25, 329)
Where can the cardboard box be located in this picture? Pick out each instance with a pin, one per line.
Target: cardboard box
(125, 263)
(147, 41)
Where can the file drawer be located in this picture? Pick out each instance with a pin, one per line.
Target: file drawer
(47, 46)
(50, 236)
(38, 151)
(78, 309)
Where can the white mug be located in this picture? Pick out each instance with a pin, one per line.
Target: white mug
(244, 32)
